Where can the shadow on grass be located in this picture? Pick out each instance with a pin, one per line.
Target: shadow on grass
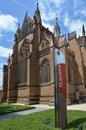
(4, 110)
(11, 109)
(9, 115)
(76, 123)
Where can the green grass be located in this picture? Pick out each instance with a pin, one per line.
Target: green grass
(37, 121)
(9, 108)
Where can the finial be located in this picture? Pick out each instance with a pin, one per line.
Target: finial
(56, 21)
(37, 5)
(18, 25)
(26, 13)
(56, 29)
(37, 15)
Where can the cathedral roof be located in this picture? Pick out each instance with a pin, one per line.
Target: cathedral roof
(26, 27)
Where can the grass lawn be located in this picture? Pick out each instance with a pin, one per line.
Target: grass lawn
(9, 108)
(36, 121)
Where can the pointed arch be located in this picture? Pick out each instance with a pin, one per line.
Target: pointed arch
(24, 53)
(45, 71)
(45, 43)
(69, 71)
(24, 50)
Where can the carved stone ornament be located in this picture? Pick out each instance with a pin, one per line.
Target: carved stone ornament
(45, 43)
(25, 50)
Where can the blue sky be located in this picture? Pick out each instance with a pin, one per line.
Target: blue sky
(71, 15)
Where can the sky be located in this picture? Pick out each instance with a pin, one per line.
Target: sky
(71, 15)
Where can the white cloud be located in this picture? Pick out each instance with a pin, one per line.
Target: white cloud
(48, 9)
(72, 20)
(79, 8)
(78, 4)
(1, 64)
(66, 19)
(75, 3)
(20, 4)
(73, 24)
(4, 52)
(8, 22)
(50, 27)
(1, 35)
(83, 12)
(80, 12)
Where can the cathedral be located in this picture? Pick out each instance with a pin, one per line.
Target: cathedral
(28, 76)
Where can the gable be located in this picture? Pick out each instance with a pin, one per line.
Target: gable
(26, 27)
(45, 43)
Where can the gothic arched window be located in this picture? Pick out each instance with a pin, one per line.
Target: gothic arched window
(23, 71)
(69, 73)
(45, 71)
(22, 61)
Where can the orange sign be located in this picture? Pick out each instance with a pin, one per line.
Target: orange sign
(62, 78)
(62, 94)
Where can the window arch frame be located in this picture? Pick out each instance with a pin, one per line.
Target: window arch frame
(24, 54)
(45, 71)
(69, 71)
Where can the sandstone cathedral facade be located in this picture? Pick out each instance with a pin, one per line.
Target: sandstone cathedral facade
(29, 75)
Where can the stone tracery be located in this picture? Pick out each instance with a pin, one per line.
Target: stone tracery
(25, 50)
(45, 43)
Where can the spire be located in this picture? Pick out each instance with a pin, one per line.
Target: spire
(83, 30)
(37, 6)
(37, 10)
(26, 13)
(37, 15)
(57, 29)
(18, 25)
(18, 32)
(56, 21)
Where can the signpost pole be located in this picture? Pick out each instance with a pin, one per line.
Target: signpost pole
(56, 96)
(60, 90)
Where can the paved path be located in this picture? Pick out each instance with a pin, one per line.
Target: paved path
(41, 108)
(81, 107)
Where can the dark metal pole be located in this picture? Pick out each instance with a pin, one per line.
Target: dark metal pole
(56, 93)
(55, 96)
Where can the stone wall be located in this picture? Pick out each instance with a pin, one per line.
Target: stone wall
(0, 95)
